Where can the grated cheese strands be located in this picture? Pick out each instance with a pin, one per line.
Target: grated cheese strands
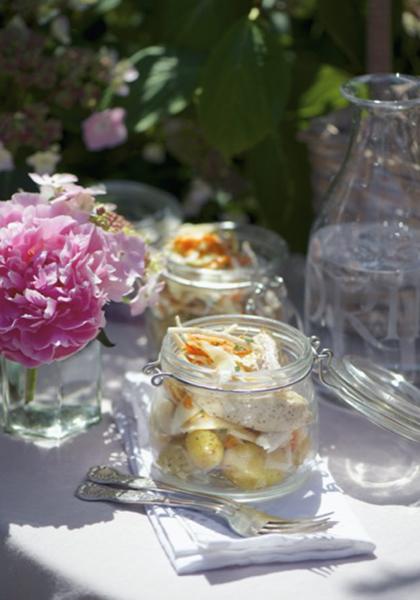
(233, 357)
(206, 333)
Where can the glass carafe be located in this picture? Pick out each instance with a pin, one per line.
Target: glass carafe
(363, 266)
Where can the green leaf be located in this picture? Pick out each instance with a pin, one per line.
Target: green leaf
(245, 88)
(104, 6)
(104, 340)
(280, 177)
(344, 23)
(199, 24)
(167, 81)
(266, 165)
(324, 94)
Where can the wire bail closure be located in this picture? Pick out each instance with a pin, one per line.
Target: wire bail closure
(157, 376)
(322, 359)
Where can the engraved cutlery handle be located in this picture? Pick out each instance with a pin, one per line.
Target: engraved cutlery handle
(102, 493)
(110, 476)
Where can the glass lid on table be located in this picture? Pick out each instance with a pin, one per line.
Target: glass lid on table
(386, 398)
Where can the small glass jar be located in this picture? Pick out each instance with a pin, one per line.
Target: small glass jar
(258, 288)
(258, 439)
(247, 440)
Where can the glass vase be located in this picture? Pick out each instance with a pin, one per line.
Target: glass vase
(363, 266)
(55, 400)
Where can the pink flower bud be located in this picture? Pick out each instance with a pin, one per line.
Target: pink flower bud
(105, 129)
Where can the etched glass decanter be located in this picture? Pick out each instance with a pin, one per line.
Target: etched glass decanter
(363, 268)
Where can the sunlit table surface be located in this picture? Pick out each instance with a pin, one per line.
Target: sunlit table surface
(53, 546)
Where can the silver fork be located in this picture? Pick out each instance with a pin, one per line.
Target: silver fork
(244, 520)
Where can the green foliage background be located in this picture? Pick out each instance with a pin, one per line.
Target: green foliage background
(224, 86)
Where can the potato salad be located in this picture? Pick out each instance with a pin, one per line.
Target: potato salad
(241, 429)
(210, 270)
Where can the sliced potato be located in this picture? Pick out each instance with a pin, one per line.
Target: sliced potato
(273, 476)
(244, 465)
(175, 460)
(204, 448)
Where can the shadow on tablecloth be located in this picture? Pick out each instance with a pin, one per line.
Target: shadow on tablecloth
(369, 463)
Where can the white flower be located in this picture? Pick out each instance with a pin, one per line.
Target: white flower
(62, 185)
(60, 29)
(6, 159)
(123, 73)
(56, 181)
(96, 190)
(51, 185)
(44, 163)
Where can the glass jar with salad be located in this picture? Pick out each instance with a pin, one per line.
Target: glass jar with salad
(221, 268)
(236, 413)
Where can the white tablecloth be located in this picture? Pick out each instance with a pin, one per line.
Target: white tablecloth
(55, 547)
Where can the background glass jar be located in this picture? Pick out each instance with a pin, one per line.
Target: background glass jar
(192, 292)
(247, 440)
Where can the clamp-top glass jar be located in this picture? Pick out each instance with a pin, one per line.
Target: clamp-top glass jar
(221, 268)
(235, 412)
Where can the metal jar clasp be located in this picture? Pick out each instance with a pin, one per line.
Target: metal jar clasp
(322, 358)
(153, 368)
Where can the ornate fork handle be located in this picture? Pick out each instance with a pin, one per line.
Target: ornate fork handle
(103, 474)
(101, 493)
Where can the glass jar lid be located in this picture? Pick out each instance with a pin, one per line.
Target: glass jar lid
(386, 398)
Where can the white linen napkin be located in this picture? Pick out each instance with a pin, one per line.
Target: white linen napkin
(195, 542)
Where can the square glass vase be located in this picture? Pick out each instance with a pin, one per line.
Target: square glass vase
(53, 401)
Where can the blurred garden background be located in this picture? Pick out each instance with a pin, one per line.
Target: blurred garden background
(216, 101)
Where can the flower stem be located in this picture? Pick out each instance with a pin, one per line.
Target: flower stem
(30, 384)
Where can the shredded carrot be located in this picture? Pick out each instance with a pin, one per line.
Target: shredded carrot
(294, 440)
(230, 441)
(199, 360)
(178, 394)
(190, 349)
(243, 352)
(184, 244)
(187, 401)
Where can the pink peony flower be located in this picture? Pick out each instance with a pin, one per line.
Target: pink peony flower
(104, 129)
(147, 294)
(57, 271)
